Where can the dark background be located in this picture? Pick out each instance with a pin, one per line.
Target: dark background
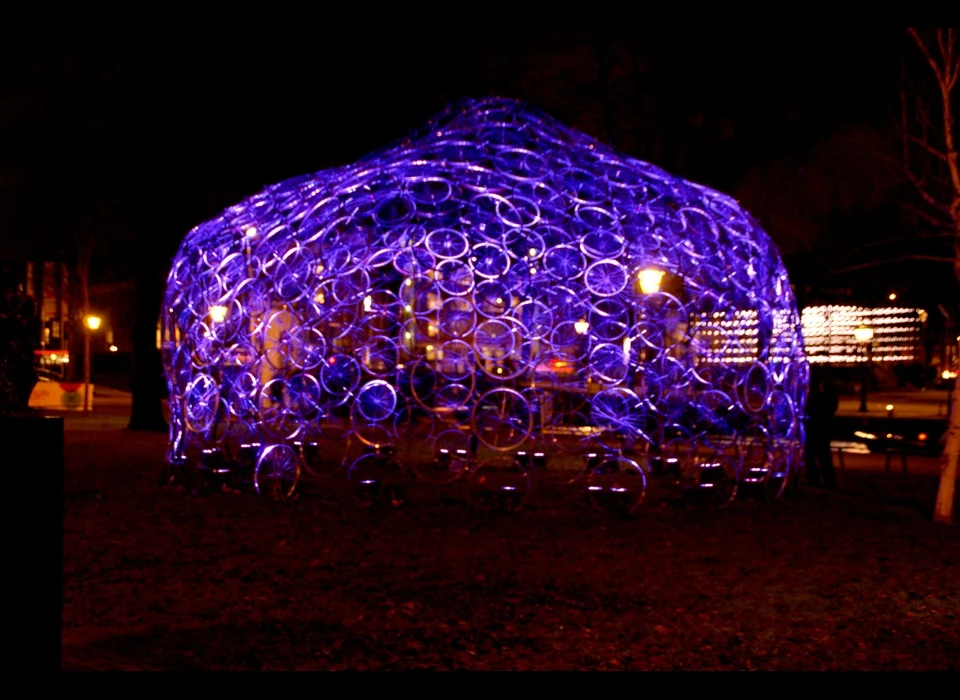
(139, 135)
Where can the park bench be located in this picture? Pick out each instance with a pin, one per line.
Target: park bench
(840, 448)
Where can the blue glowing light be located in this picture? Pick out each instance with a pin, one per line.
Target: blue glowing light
(496, 282)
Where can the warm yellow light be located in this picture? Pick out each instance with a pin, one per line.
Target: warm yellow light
(892, 297)
(947, 374)
(218, 313)
(408, 308)
(409, 283)
(499, 300)
(54, 358)
(581, 327)
(367, 303)
(499, 370)
(408, 335)
(921, 437)
(889, 406)
(863, 333)
(429, 348)
(650, 280)
(533, 252)
(113, 348)
(93, 322)
(251, 232)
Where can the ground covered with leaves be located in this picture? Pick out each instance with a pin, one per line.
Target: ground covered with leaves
(855, 579)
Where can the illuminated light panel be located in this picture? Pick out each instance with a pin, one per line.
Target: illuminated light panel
(829, 337)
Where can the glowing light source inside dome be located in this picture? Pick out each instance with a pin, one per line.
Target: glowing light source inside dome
(650, 280)
(218, 313)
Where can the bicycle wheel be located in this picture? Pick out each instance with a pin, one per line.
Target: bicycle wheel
(720, 478)
(377, 481)
(499, 484)
(277, 472)
(452, 455)
(617, 485)
(502, 419)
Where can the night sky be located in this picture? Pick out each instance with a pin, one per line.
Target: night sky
(142, 135)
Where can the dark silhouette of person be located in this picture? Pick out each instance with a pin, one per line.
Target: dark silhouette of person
(821, 408)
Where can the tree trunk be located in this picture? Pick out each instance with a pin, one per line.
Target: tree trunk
(946, 70)
(943, 511)
(147, 412)
(79, 329)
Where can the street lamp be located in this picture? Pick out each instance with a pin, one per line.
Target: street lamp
(90, 323)
(864, 335)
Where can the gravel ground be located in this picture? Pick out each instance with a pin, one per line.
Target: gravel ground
(852, 580)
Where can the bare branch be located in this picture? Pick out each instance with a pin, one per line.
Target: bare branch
(897, 239)
(923, 47)
(929, 218)
(951, 63)
(928, 148)
(890, 261)
(900, 239)
(911, 175)
(919, 185)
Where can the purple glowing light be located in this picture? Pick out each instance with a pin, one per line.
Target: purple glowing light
(497, 281)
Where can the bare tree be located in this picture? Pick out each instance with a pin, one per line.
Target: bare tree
(929, 142)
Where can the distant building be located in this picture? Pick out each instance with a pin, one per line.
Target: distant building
(49, 283)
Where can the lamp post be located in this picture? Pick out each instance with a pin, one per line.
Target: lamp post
(90, 323)
(864, 335)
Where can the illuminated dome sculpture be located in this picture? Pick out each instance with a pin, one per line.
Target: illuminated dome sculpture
(496, 290)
